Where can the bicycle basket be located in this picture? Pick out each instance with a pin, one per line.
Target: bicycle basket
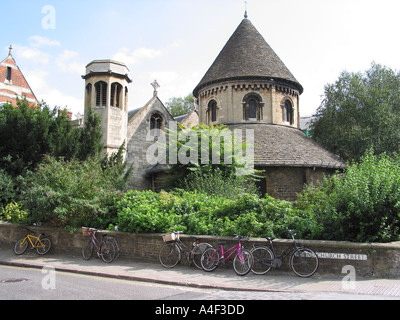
(87, 232)
(170, 237)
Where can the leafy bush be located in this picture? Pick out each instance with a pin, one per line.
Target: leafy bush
(217, 182)
(8, 192)
(199, 213)
(362, 204)
(13, 213)
(72, 193)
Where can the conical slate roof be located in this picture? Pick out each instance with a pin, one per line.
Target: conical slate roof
(247, 56)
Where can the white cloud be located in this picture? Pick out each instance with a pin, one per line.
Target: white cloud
(32, 54)
(38, 41)
(66, 64)
(132, 57)
(52, 96)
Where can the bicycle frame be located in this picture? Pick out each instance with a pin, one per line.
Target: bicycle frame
(35, 246)
(237, 248)
(183, 248)
(276, 263)
(96, 242)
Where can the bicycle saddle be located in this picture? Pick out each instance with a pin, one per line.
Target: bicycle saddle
(221, 243)
(270, 238)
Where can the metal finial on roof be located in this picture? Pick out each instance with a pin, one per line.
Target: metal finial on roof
(10, 49)
(245, 13)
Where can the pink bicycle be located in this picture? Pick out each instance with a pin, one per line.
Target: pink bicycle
(242, 263)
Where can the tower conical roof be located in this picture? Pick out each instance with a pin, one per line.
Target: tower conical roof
(247, 56)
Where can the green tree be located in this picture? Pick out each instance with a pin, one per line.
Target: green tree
(72, 194)
(360, 205)
(180, 106)
(28, 134)
(210, 160)
(360, 111)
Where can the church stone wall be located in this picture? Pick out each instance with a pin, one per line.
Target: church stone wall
(230, 102)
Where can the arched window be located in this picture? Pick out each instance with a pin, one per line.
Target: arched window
(252, 108)
(89, 88)
(288, 113)
(101, 94)
(156, 124)
(126, 98)
(9, 74)
(116, 91)
(212, 111)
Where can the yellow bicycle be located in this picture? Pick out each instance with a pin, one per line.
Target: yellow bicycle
(41, 244)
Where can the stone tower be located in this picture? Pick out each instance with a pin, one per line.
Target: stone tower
(106, 91)
(248, 87)
(248, 83)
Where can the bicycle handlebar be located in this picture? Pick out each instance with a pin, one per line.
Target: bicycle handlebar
(30, 231)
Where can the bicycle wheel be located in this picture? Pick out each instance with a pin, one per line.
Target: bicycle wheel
(21, 246)
(263, 258)
(196, 253)
(87, 250)
(304, 262)
(42, 250)
(115, 244)
(243, 262)
(107, 251)
(170, 255)
(209, 259)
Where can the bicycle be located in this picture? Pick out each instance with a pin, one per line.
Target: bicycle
(171, 253)
(105, 248)
(242, 263)
(41, 244)
(303, 261)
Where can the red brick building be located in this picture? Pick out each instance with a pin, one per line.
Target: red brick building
(13, 84)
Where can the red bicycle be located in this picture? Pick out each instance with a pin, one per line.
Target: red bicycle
(242, 263)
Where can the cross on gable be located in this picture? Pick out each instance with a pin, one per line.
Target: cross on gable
(156, 86)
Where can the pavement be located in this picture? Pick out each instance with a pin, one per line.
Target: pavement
(222, 278)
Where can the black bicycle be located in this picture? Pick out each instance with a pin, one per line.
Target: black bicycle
(171, 253)
(303, 261)
(106, 248)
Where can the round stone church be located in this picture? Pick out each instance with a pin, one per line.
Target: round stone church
(247, 87)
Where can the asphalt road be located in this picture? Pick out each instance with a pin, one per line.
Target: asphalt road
(18, 283)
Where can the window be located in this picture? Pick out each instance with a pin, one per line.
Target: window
(8, 74)
(288, 114)
(156, 124)
(101, 94)
(116, 90)
(212, 111)
(89, 94)
(252, 109)
(126, 98)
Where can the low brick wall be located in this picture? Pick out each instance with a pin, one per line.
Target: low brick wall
(368, 260)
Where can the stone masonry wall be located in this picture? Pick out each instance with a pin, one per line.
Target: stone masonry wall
(368, 260)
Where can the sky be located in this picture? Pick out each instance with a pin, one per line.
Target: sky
(176, 41)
